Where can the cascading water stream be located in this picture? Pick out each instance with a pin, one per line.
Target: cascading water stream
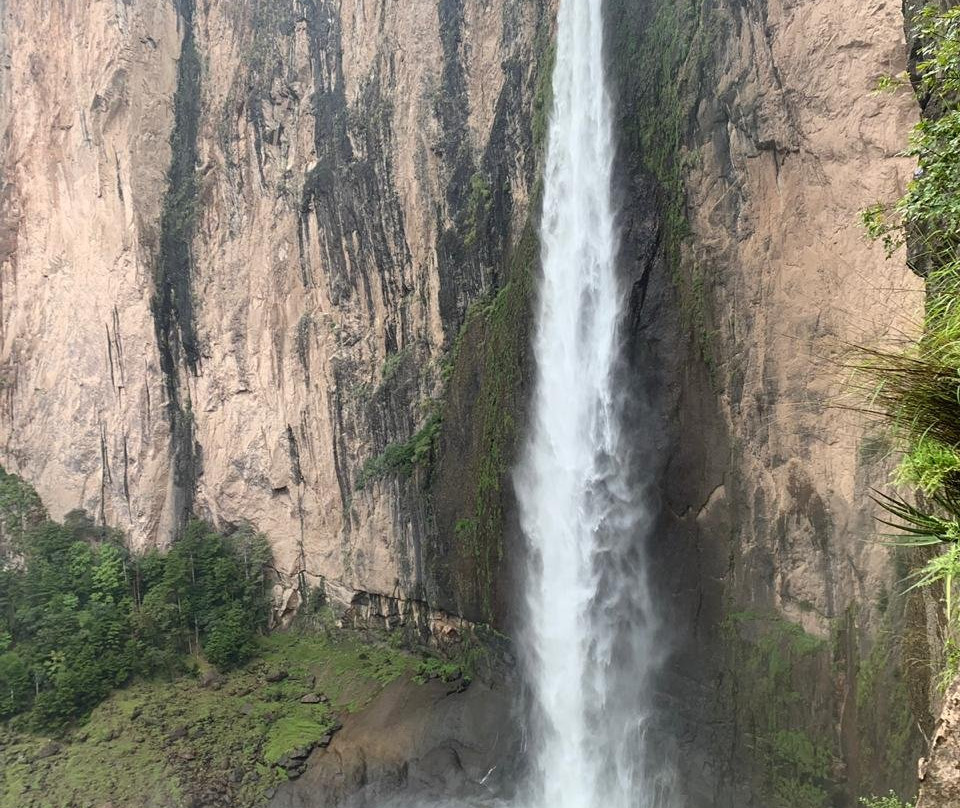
(590, 639)
(591, 643)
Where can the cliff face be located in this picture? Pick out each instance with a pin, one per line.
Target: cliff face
(758, 129)
(253, 324)
(787, 148)
(272, 262)
(787, 152)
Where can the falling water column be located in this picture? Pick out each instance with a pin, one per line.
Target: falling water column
(589, 642)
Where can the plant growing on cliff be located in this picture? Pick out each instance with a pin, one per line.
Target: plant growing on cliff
(402, 458)
(917, 389)
(891, 800)
(80, 615)
(928, 215)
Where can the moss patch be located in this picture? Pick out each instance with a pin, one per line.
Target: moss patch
(488, 380)
(161, 743)
(779, 667)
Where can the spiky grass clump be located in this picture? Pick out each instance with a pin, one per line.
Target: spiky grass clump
(917, 391)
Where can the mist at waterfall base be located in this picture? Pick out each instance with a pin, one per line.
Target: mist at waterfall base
(590, 644)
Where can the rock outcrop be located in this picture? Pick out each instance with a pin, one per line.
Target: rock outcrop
(940, 772)
(238, 241)
(271, 262)
(416, 743)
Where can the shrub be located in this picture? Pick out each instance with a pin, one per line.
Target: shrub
(80, 615)
(891, 800)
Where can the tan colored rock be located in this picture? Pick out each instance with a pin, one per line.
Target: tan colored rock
(87, 113)
(332, 141)
(940, 772)
(799, 145)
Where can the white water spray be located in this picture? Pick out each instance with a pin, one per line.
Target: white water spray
(590, 639)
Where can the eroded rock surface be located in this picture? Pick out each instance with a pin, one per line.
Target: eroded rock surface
(415, 743)
(241, 324)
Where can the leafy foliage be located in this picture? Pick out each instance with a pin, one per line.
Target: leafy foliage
(929, 466)
(928, 215)
(401, 458)
(20, 508)
(891, 800)
(80, 615)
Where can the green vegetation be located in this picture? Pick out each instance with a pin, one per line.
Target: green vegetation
(164, 742)
(393, 364)
(401, 459)
(917, 389)
(661, 74)
(780, 661)
(889, 801)
(928, 215)
(886, 727)
(80, 615)
(543, 92)
(495, 332)
(20, 508)
(478, 208)
(929, 465)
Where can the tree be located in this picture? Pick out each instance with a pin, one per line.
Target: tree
(14, 684)
(230, 639)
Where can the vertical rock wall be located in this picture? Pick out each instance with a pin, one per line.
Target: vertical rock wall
(754, 126)
(254, 324)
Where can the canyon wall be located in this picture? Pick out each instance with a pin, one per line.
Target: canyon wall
(238, 243)
(272, 262)
(758, 125)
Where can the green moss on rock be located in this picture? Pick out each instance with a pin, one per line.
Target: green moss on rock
(488, 381)
(775, 672)
(168, 743)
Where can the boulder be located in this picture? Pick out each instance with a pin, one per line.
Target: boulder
(48, 750)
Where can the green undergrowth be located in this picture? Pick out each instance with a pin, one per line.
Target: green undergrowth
(157, 743)
(780, 662)
(916, 390)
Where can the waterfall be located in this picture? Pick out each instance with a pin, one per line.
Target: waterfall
(590, 643)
